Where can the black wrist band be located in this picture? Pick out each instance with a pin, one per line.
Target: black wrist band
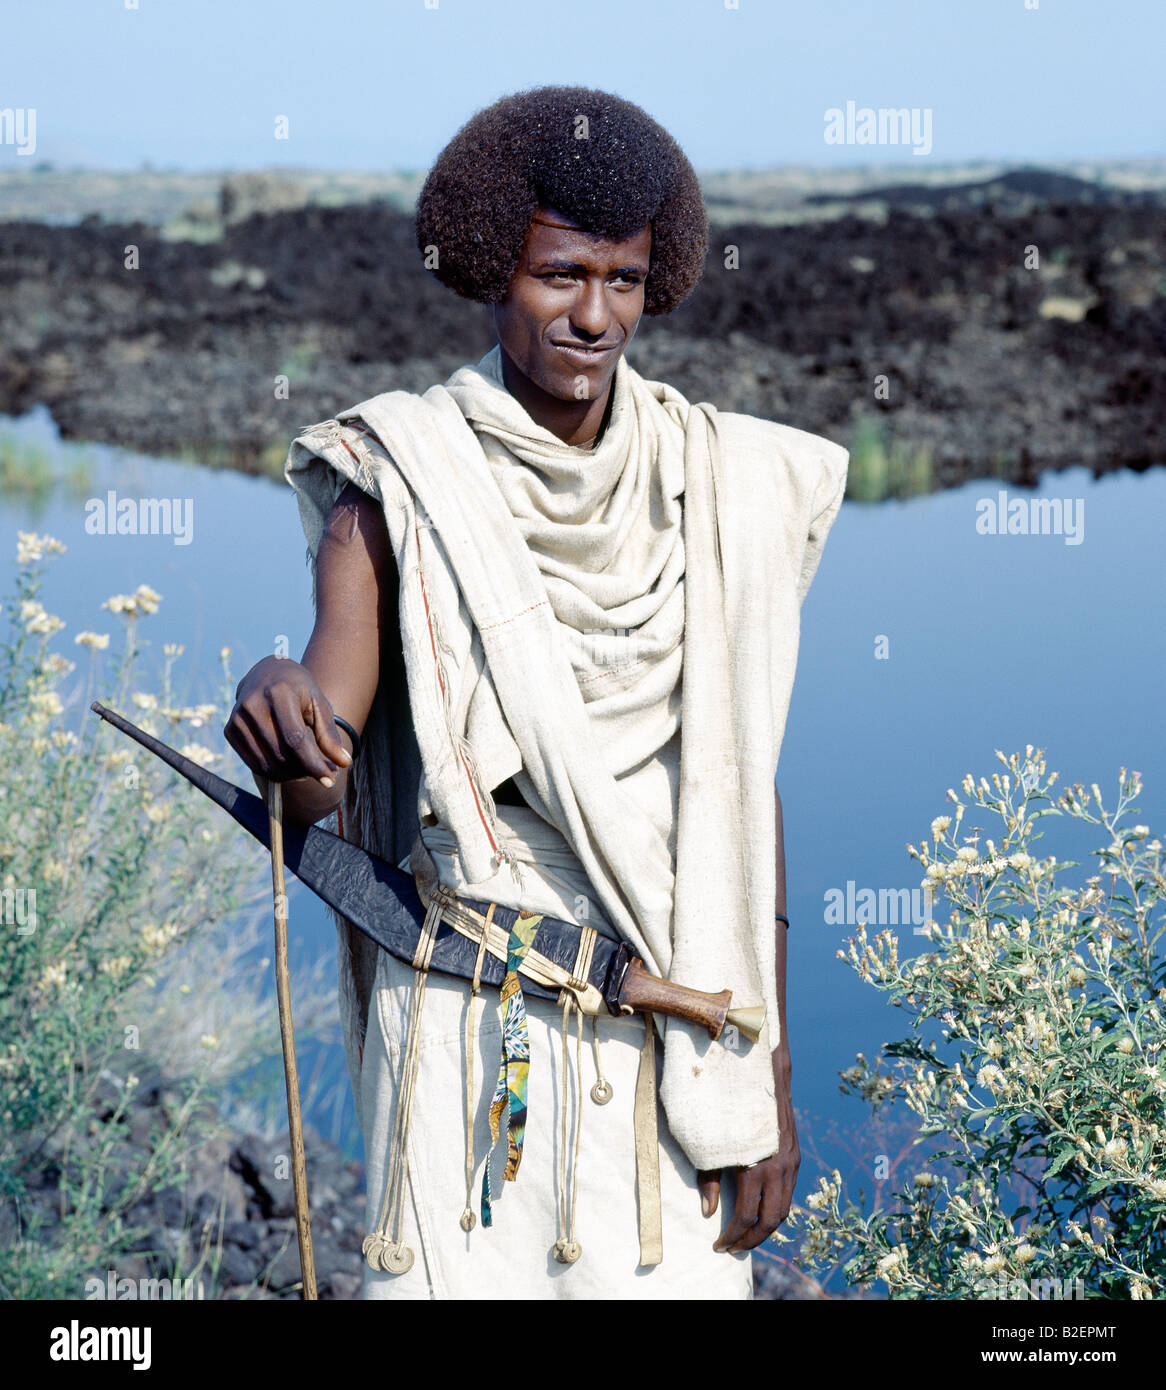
(351, 732)
(779, 918)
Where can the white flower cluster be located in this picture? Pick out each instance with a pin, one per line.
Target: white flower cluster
(142, 600)
(31, 548)
(36, 621)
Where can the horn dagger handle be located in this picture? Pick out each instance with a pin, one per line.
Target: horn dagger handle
(647, 993)
(641, 991)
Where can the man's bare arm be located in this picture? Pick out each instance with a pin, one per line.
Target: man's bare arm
(282, 725)
(781, 1059)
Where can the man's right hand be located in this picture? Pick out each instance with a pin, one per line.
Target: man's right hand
(282, 726)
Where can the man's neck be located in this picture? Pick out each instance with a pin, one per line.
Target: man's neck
(574, 422)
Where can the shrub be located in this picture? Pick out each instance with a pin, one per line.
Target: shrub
(123, 963)
(1034, 1065)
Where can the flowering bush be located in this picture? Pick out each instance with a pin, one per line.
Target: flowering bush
(105, 875)
(1034, 1065)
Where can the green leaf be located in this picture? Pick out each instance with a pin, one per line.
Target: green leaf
(1065, 1154)
(909, 1047)
(1091, 1189)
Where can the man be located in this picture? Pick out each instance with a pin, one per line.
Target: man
(555, 542)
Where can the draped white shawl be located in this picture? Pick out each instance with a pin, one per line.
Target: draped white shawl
(565, 613)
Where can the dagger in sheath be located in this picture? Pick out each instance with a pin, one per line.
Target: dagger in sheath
(384, 903)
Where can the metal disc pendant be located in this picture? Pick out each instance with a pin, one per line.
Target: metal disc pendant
(468, 1220)
(397, 1259)
(371, 1249)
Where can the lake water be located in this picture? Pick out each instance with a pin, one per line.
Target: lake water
(925, 646)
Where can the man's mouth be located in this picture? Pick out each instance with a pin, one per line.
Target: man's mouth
(583, 355)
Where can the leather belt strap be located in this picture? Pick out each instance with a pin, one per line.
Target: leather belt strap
(578, 980)
(424, 952)
(648, 1152)
(475, 927)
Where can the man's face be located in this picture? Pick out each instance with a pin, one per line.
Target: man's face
(573, 306)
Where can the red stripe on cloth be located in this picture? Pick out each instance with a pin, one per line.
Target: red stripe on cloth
(461, 755)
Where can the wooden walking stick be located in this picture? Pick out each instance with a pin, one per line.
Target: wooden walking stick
(287, 1035)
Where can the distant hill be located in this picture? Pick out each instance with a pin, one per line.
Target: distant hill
(1018, 189)
(198, 205)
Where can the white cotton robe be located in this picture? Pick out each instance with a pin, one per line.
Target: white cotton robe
(564, 613)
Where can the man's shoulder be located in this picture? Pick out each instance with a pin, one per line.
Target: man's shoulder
(808, 462)
(770, 434)
(356, 428)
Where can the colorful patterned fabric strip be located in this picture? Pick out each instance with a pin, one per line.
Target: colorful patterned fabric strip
(510, 1091)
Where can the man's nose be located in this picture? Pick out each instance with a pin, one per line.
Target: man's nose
(590, 314)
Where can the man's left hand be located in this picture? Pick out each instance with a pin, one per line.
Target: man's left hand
(765, 1190)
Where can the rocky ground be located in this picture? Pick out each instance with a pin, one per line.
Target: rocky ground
(992, 368)
(226, 1222)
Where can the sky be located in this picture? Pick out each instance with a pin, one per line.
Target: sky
(383, 84)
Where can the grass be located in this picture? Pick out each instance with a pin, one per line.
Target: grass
(28, 471)
(882, 467)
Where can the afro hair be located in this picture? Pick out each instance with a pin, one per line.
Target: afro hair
(611, 173)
